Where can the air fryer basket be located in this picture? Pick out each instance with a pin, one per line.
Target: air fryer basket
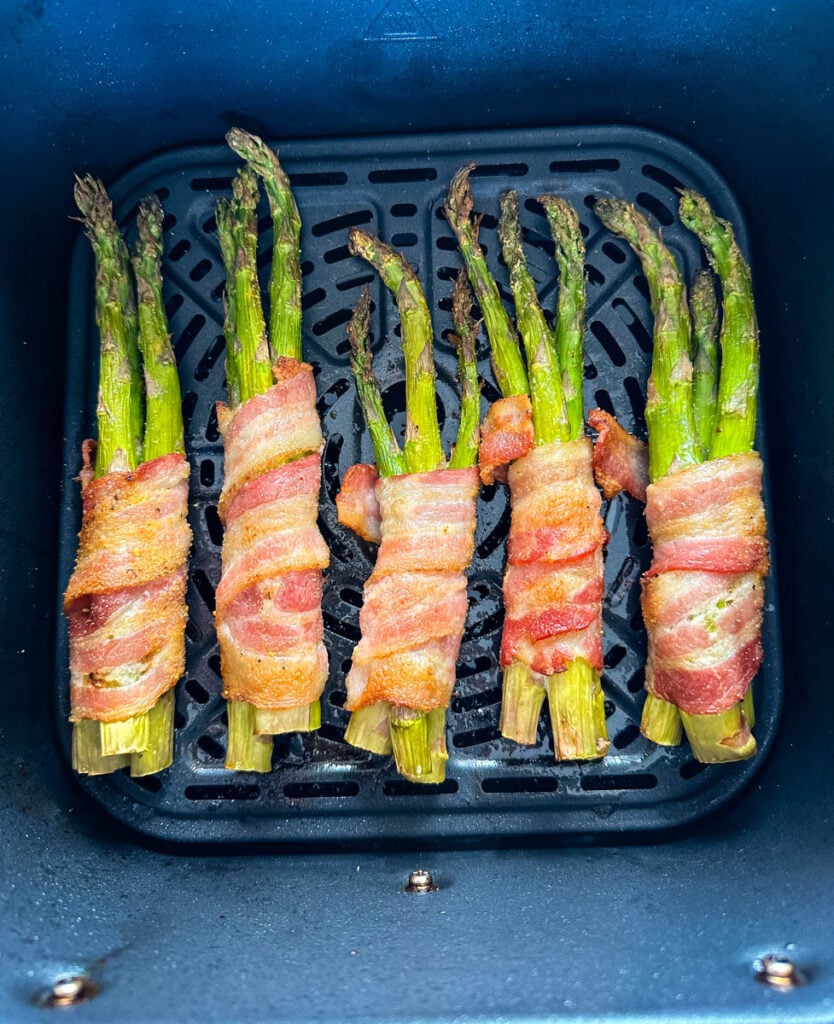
(320, 786)
(529, 922)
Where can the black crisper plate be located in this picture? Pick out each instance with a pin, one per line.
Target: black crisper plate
(321, 788)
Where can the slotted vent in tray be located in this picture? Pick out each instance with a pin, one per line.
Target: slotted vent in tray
(321, 788)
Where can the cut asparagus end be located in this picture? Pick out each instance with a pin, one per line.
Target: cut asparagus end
(370, 729)
(419, 742)
(246, 751)
(522, 697)
(577, 713)
(159, 752)
(273, 723)
(661, 722)
(128, 736)
(87, 758)
(748, 707)
(722, 737)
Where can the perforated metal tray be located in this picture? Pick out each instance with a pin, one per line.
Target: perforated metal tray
(320, 787)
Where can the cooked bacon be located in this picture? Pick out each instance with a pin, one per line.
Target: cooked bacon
(268, 602)
(621, 461)
(356, 504)
(703, 594)
(506, 435)
(125, 603)
(415, 600)
(270, 429)
(553, 586)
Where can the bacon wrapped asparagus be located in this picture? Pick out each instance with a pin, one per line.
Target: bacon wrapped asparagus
(268, 603)
(125, 603)
(420, 509)
(534, 438)
(703, 594)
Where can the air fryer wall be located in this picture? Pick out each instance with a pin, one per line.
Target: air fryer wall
(665, 926)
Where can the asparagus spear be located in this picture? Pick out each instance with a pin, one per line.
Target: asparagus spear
(735, 421)
(370, 727)
(143, 742)
(418, 738)
(285, 279)
(249, 373)
(703, 309)
(466, 330)
(119, 413)
(575, 696)
(506, 354)
(734, 418)
(547, 397)
(673, 442)
(119, 419)
(569, 328)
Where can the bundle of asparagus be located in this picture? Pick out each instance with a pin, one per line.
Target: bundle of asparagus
(125, 602)
(703, 594)
(552, 640)
(268, 603)
(421, 511)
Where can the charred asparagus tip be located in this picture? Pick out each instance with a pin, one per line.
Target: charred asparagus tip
(360, 322)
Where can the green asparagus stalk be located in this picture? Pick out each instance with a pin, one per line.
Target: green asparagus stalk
(466, 447)
(735, 422)
(143, 742)
(547, 397)
(249, 373)
(369, 727)
(728, 736)
(418, 738)
(163, 416)
(389, 459)
(669, 411)
(703, 309)
(422, 449)
(569, 329)
(673, 443)
(247, 349)
(575, 697)
(149, 737)
(285, 279)
(119, 412)
(506, 352)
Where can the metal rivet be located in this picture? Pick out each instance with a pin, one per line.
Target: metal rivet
(420, 881)
(70, 991)
(777, 971)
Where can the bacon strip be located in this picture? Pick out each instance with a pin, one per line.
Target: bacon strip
(356, 504)
(415, 600)
(621, 461)
(506, 435)
(268, 603)
(125, 603)
(553, 585)
(703, 594)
